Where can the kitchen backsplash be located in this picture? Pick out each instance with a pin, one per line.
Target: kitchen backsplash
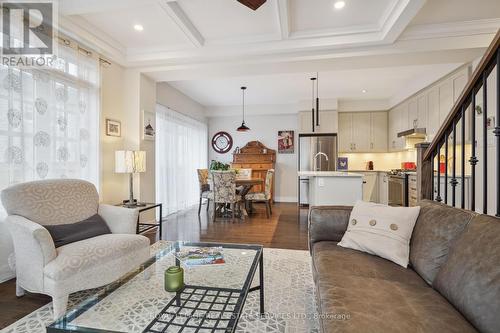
(381, 161)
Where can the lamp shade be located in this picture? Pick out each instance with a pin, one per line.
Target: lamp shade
(130, 161)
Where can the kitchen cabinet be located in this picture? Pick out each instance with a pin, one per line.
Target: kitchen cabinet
(362, 132)
(422, 111)
(370, 186)
(383, 188)
(428, 109)
(412, 114)
(327, 120)
(378, 132)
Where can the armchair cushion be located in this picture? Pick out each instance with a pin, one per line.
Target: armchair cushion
(93, 252)
(63, 234)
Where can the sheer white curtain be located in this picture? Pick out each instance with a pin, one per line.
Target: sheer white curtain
(181, 148)
(49, 120)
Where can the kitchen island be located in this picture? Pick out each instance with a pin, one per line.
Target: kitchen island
(333, 187)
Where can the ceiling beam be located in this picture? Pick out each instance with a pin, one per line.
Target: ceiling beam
(174, 10)
(284, 18)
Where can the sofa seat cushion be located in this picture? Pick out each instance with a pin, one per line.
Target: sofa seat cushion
(359, 292)
(97, 251)
(353, 303)
(470, 278)
(332, 261)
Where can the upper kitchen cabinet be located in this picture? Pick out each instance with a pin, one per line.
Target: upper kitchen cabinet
(428, 108)
(327, 122)
(398, 122)
(362, 132)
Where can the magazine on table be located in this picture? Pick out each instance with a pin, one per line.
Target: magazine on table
(201, 256)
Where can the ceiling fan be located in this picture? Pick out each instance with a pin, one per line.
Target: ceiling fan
(252, 4)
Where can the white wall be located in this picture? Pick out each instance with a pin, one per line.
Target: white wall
(263, 128)
(172, 98)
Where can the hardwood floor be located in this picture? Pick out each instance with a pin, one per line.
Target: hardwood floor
(287, 228)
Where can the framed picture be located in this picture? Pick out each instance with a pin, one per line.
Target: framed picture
(286, 142)
(148, 125)
(113, 127)
(342, 164)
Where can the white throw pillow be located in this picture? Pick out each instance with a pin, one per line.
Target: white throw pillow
(381, 230)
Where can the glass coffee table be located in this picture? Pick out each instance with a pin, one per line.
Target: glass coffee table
(211, 301)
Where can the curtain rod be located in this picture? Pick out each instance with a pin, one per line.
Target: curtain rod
(89, 53)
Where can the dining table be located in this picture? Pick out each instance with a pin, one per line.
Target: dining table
(246, 185)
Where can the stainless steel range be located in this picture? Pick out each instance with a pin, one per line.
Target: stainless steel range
(398, 187)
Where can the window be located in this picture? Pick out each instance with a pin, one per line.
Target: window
(181, 148)
(49, 120)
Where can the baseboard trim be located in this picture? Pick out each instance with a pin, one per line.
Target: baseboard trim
(285, 199)
(6, 273)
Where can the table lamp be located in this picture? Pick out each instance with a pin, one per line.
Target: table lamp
(130, 161)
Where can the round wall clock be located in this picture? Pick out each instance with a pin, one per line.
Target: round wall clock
(222, 142)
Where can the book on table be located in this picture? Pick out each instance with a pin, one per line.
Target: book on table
(201, 256)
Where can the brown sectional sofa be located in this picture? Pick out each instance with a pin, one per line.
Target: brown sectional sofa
(451, 285)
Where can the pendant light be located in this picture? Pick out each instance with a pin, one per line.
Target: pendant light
(312, 103)
(243, 127)
(317, 99)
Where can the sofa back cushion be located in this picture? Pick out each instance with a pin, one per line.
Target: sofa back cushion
(55, 201)
(438, 225)
(470, 278)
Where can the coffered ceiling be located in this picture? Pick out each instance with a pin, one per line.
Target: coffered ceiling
(196, 44)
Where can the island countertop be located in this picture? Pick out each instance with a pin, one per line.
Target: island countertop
(328, 174)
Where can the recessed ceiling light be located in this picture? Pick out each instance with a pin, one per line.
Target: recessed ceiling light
(138, 27)
(363, 91)
(339, 4)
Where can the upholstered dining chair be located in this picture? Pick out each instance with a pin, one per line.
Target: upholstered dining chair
(263, 196)
(204, 187)
(85, 264)
(224, 191)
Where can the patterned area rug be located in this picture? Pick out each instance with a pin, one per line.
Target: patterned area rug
(289, 298)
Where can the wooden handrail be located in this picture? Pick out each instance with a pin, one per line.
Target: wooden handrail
(466, 93)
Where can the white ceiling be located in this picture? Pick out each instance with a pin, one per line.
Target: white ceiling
(208, 48)
(379, 83)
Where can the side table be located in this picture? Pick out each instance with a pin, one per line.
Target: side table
(143, 227)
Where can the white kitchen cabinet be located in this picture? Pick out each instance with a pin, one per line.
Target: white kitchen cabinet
(445, 99)
(370, 187)
(433, 122)
(412, 114)
(345, 132)
(422, 110)
(428, 109)
(383, 188)
(378, 132)
(362, 132)
(327, 120)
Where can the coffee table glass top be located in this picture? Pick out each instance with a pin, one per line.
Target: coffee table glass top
(133, 302)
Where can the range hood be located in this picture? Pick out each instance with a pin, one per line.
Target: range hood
(417, 133)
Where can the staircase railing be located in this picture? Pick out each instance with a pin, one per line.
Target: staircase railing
(464, 107)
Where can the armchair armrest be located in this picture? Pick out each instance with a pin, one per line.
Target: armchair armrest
(328, 223)
(34, 248)
(120, 220)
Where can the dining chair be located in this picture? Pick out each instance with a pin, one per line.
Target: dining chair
(224, 191)
(263, 196)
(204, 187)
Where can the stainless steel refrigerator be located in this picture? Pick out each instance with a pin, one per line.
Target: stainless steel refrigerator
(317, 152)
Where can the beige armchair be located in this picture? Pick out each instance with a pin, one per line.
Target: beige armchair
(57, 272)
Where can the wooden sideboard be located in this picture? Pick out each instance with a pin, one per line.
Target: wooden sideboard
(254, 155)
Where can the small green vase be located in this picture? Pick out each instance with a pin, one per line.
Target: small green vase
(174, 279)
